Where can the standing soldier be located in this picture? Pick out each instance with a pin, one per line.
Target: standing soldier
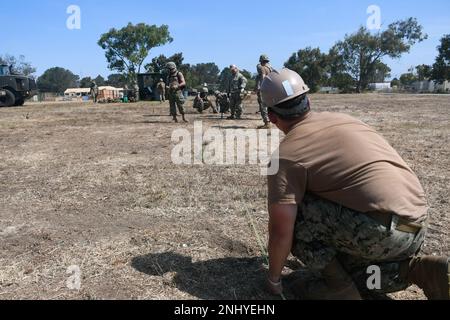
(94, 91)
(264, 69)
(161, 86)
(236, 90)
(222, 103)
(175, 85)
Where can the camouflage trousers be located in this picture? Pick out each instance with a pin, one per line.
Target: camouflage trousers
(204, 104)
(325, 231)
(176, 100)
(263, 109)
(236, 106)
(162, 96)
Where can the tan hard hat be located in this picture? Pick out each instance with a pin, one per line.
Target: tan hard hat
(282, 86)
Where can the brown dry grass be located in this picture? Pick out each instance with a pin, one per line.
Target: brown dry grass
(94, 186)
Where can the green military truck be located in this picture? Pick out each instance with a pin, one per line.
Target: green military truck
(15, 89)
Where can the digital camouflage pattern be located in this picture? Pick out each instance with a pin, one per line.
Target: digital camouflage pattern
(161, 87)
(175, 95)
(263, 69)
(222, 102)
(236, 87)
(325, 230)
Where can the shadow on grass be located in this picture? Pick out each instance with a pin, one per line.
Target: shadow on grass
(223, 279)
(217, 279)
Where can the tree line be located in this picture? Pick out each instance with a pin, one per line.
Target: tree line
(350, 65)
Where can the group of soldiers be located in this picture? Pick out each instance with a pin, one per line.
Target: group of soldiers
(230, 101)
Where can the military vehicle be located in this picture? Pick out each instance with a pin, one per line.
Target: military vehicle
(147, 85)
(14, 88)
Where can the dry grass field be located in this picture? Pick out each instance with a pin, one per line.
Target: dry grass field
(94, 186)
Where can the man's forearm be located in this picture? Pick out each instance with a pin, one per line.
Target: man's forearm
(279, 250)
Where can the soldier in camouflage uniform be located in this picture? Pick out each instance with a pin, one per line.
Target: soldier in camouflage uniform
(222, 102)
(161, 87)
(175, 85)
(236, 91)
(345, 203)
(202, 102)
(264, 69)
(94, 91)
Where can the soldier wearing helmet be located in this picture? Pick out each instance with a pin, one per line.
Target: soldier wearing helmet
(222, 103)
(161, 87)
(343, 201)
(202, 101)
(236, 90)
(94, 91)
(263, 69)
(175, 84)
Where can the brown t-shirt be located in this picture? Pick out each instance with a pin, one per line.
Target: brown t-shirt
(341, 159)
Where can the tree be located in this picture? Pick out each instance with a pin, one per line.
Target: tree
(57, 80)
(19, 65)
(251, 79)
(100, 81)
(204, 73)
(424, 72)
(380, 73)
(85, 82)
(158, 65)
(395, 83)
(362, 51)
(441, 68)
(224, 78)
(311, 64)
(116, 80)
(127, 48)
(338, 77)
(407, 79)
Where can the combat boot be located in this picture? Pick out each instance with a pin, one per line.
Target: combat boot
(174, 119)
(431, 274)
(231, 117)
(335, 284)
(265, 126)
(184, 118)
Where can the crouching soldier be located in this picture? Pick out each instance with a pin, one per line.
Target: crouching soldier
(202, 102)
(343, 202)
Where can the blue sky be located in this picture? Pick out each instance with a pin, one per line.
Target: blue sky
(224, 32)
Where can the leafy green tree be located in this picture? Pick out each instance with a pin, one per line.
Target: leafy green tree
(395, 83)
(311, 64)
(100, 81)
(127, 48)
(407, 79)
(424, 72)
(380, 72)
(85, 82)
(362, 51)
(441, 68)
(205, 73)
(57, 80)
(224, 78)
(116, 80)
(19, 65)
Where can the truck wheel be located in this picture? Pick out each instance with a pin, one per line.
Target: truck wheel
(8, 100)
(19, 102)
